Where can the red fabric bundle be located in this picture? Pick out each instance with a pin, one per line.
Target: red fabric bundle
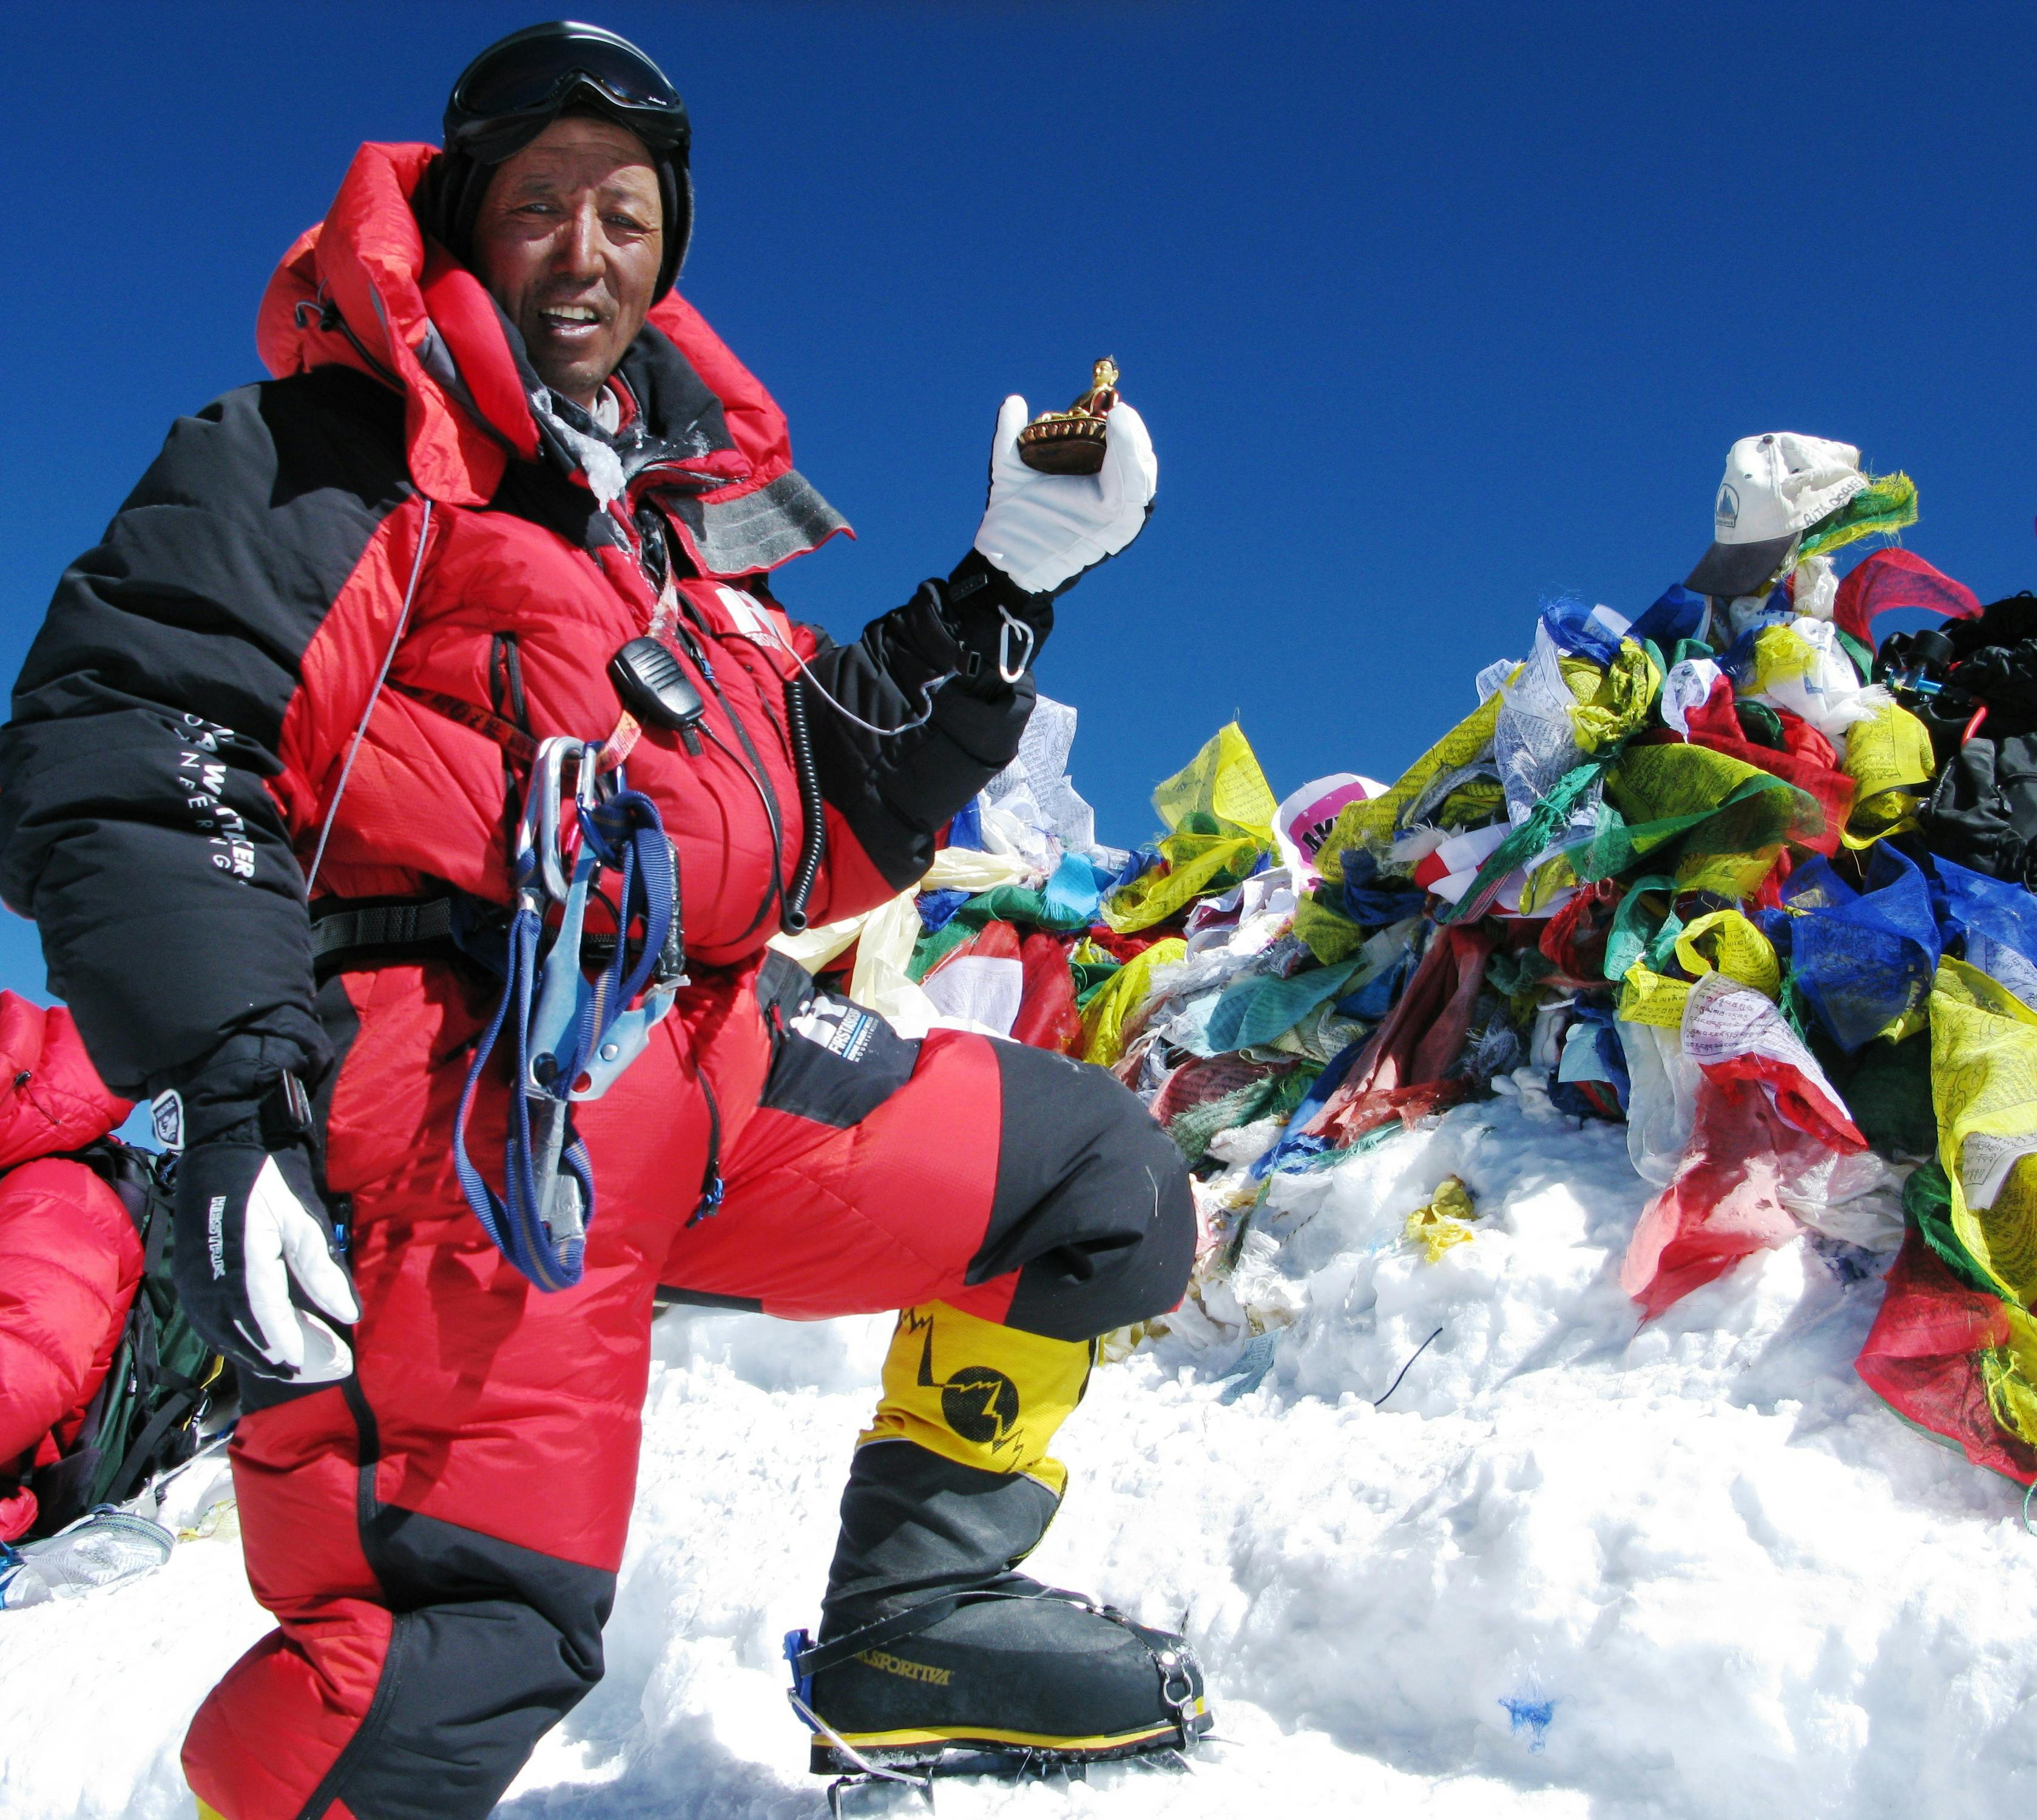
(1422, 1038)
(1893, 578)
(1721, 1206)
(1574, 937)
(1735, 1034)
(1346, 1122)
(1808, 761)
(1919, 1359)
(1048, 1018)
(1205, 1078)
(1130, 947)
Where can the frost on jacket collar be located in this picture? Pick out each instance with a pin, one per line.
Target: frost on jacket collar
(366, 289)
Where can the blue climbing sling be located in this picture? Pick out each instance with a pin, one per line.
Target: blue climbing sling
(572, 1036)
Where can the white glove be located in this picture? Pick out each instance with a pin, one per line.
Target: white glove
(243, 1231)
(283, 1240)
(1044, 529)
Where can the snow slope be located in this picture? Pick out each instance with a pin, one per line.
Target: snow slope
(1568, 1568)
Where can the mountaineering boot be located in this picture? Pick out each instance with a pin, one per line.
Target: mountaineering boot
(930, 1641)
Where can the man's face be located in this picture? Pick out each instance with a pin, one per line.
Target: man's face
(570, 241)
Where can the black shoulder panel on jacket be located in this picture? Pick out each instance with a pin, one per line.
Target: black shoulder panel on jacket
(134, 827)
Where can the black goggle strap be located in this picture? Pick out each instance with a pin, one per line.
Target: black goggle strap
(530, 79)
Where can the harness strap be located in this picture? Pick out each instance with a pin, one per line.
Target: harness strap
(351, 936)
(341, 931)
(174, 1413)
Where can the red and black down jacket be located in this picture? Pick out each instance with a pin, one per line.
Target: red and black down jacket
(70, 1256)
(183, 718)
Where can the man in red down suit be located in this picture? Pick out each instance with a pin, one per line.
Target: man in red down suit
(488, 558)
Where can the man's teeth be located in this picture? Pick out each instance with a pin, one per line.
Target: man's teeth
(573, 313)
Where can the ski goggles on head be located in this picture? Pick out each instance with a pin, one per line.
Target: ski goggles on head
(529, 79)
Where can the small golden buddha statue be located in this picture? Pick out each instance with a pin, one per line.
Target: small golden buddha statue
(1072, 441)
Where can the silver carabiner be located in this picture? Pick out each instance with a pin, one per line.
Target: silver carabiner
(564, 993)
(590, 787)
(538, 825)
(1005, 667)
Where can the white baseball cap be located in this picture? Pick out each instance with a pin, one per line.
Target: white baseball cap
(1776, 487)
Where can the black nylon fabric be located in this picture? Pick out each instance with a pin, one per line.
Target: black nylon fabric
(681, 417)
(1982, 811)
(898, 793)
(831, 1061)
(170, 653)
(493, 1645)
(1992, 661)
(1093, 1206)
(914, 1524)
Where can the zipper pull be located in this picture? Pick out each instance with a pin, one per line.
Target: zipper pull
(710, 1202)
(693, 651)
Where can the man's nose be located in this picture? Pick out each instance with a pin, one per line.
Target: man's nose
(578, 252)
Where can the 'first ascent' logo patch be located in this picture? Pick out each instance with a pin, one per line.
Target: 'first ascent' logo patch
(754, 621)
(839, 1027)
(1727, 511)
(166, 1118)
(980, 1404)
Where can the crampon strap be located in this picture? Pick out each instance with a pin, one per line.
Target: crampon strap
(808, 1659)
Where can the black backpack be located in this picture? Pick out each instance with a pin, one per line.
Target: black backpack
(163, 1379)
(1982, 810)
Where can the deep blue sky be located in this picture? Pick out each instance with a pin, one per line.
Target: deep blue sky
(1432, 310)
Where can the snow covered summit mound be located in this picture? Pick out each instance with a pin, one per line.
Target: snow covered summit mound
(1696, 1568)
(1569, 1567)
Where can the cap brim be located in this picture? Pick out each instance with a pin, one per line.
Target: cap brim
(1726, 571)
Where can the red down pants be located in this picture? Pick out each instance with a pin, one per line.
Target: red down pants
(438, 1536)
